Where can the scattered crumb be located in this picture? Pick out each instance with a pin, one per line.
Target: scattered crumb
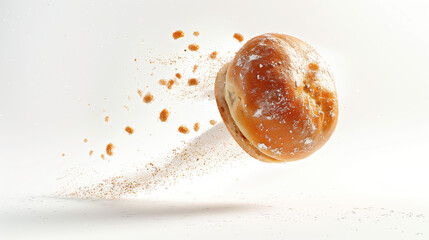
(129, 130)
(213, 55)
(170, 83)
(109, 149)
(63, 154)
(313, 66)
(178, 75)
(196, 34)
(140, 92)
(196, 127)
(106, 118)
(195, 68)
(85, 140)
(148, 98)
(178, 34)
(192, 82)
(89, 105)
(102, 156)
(162, 82)
(163, 116)
(238, 36)
(135, 59)
(193, 47)
(183, 129)
(126, 108)
(129, 97)
(91, 152)
(212, 122)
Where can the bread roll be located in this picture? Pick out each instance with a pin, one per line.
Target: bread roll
(277, 98)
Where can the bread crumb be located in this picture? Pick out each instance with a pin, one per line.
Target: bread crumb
(135, 59)
(148, 98)
(238, 36)
(178, 75)
(63, 154)
(196, 34)
(313, 66)
(129, 130)
(193, 47)
(126, 108)
(196, 127)
(109, 149)
(85, 140)
(212, 122)
(213, 55)
(192, 82)
(91, 152)
(170, 83)
(102, 156)
(195, 68)
(178, 34)
(140, 92)
(162, 82)
(106, 118)
(163, 116)
(183, 129)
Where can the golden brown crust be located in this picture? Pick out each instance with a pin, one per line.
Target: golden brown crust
(278, 98)
(229, 122)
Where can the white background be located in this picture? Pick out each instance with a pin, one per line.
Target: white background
(369, 181)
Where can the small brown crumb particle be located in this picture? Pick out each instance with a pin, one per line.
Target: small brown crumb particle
(162, 82)
(193, 47)
(63, 154)
(196, 127)
(91, 152)
(135, 59)
(192, 82)
(106, 118)
(163, 116)
(170, 83)
(102, 156)
(196, 34)
(195, 68)
(148, 98)
(109, 149)
(140, 92)
(183, 129)
(85, 140)
(178, 75)
(126, 108)
(129, 130)
(213, 55)
(212, 122)
(313, 66)
(238, 36)
(89, 105)
(178, 34)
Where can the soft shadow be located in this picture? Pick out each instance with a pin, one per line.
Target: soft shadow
(59, 210)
